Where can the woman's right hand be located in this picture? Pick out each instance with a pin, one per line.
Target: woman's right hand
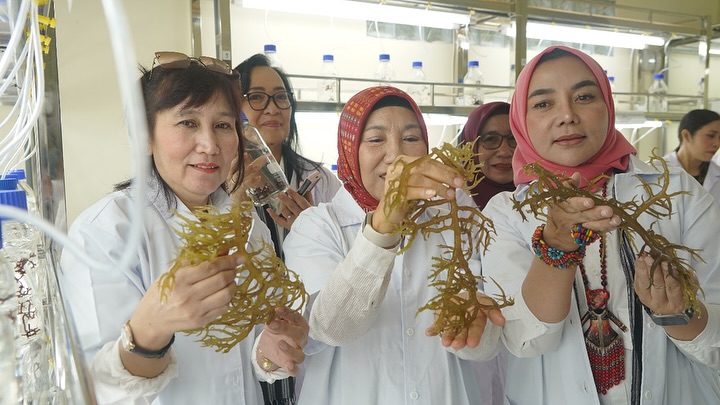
(428, 180)
(251, 178)
(201, 294)
(576, 211)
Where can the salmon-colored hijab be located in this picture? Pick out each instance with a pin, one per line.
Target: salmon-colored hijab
(353, 118)
(614, 153)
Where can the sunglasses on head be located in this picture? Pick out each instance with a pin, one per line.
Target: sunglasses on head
(178, 60)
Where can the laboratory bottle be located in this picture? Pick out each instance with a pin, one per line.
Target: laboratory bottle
(384, 71)
(273, 179)
(9, 365)
(473, 95)
(270, 51)
(658, 94)
(327, 88)
(19, 174)
(20, 249)
(420, 91)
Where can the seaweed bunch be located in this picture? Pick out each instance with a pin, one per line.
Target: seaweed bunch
(264, 282)
(456, 304)
(655, 201)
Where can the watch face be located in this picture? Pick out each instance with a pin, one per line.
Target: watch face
(127, 338)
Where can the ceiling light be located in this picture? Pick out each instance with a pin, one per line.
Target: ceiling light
(363, 11)
(561, 33)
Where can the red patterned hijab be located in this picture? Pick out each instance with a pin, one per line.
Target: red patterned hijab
(614, 153)
(350, 129)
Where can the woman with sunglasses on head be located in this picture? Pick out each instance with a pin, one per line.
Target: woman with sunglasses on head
(699, 136)
(489, 127)
(132, 340)
(268, 105)
(367, 342)
(591, 324)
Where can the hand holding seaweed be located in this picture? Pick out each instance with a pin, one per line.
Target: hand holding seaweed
(264, 283)
(454, 310)
(655, 201)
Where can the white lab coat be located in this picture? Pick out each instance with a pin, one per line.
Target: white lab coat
(392, 362)
(101, 300)
(712, 178)
(549, 364)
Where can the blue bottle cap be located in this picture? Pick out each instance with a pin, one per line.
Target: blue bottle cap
(20, 173)
(473, 63)
(13, 198)
(384, 56)
(658, 76)
(8, 183)
(417, 64)
(328, 57)
(270, 48)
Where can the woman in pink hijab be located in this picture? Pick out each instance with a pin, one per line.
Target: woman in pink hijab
(589, 325)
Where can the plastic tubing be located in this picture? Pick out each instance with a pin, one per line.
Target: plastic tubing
(124, 55)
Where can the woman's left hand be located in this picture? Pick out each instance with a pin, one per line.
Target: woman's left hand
(283, 339)
(471, 335)
(661, 293)
(427, 180)
(292, 205)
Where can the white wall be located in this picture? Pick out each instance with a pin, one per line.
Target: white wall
(96, 143)
(95, 139)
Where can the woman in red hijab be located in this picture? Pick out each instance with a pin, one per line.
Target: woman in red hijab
(589, 325)
(367, 342)
(490, 125)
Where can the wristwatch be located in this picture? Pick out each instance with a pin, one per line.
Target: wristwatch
(673, 319)
(129, 344)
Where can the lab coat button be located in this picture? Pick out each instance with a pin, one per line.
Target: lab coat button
(648, 394)
(410, 331)
(414, 395)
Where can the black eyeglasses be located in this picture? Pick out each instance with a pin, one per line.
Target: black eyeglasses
(259, 101)
(493, 141)
(178, 60)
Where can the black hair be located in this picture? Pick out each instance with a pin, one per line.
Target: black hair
(693, 121)
(290, 149)
(392, 101)
(165, 88)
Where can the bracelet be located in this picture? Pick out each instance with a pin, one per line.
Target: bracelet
(584, 236)
(555, 257)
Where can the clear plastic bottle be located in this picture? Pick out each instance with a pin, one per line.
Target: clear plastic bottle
(270, 51)
(658, 94)
(274, 181)
(9, 364)
(20, 249)
(29, 192)
(420, 92)
(473, 95)
(327, 89)
(385, 71)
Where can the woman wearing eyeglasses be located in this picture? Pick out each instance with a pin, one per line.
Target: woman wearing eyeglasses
(490, 125)
(269, 105)
(131, 340)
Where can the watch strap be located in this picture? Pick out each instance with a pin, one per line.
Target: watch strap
(134, 348)
(673, 319)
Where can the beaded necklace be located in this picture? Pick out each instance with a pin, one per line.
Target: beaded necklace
(605, 348)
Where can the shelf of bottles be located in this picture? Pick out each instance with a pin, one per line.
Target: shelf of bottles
(442, 98)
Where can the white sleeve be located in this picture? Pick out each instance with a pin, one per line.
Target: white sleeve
(113, 384)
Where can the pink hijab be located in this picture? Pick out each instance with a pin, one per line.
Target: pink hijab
(614, 153)
(353, 118)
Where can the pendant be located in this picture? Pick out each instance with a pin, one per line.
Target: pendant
(604, 347)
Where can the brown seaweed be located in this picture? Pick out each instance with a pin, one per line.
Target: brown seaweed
(450, 273)
(655, 201)
(264, 282)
